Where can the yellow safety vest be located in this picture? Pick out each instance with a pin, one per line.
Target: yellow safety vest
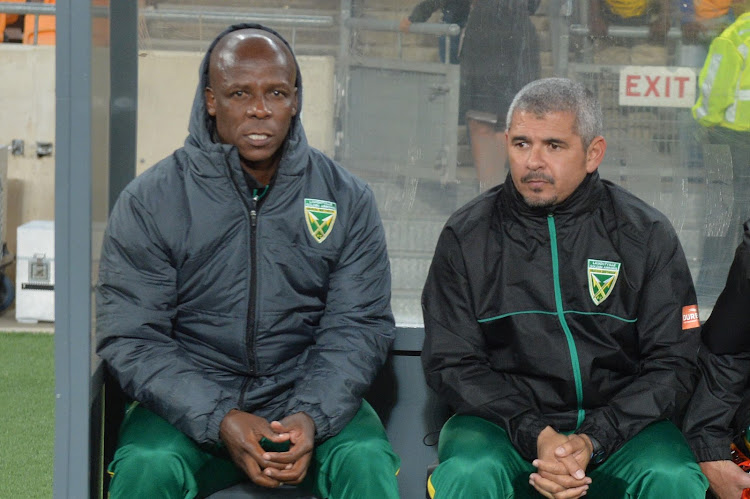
(724, 82)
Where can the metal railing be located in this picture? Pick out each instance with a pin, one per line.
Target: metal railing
(434, 29)
(285, 19)
(27, 8)
(624, 31)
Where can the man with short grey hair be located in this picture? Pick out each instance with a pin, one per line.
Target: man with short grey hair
(561, 324)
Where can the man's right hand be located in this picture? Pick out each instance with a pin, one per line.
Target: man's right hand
(404, 25)
(726, 479)
(242, 432)
(561, 469)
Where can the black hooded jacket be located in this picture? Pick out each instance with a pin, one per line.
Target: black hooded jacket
(211, 299)
(570, 318)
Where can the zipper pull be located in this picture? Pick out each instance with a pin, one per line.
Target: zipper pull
(254, 211)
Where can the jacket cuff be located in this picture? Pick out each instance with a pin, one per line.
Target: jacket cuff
(322, 422)
(711, 449)
(609, 439)
(215, 419)
(527, 436)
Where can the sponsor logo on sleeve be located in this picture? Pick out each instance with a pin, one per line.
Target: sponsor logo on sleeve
(690, 317)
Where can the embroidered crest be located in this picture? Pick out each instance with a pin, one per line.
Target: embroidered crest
(602, 278)
(320, 216)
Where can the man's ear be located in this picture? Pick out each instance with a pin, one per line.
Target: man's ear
(595, 154)
(210, 101)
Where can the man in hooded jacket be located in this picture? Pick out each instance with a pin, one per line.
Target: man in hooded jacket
(244, 299)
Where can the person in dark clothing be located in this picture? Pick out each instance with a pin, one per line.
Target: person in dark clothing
(561, 324)
(454, 12)
(243, 300)
(719, 410)
(499, 55)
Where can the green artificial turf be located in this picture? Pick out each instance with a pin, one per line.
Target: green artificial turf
(27, 415)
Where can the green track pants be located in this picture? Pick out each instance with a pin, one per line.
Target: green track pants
(154, 459)
(477, 460)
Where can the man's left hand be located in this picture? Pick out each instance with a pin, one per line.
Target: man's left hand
(300, 429)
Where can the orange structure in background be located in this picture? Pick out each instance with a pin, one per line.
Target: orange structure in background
(6, 19)
(45, 29)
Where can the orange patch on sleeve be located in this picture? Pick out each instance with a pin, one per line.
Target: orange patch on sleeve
(690, 318)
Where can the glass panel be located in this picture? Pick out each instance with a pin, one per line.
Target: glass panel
(383, 100)
(100, 121)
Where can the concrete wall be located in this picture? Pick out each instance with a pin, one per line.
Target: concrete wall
(167, 82)
(27, 100)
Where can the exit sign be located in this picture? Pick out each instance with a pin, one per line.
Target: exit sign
(657, 86)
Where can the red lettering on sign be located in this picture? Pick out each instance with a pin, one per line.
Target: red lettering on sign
(631, 84)
(652, 86)
(681, 80)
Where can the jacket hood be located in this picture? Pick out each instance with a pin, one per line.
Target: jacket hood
(202, 127)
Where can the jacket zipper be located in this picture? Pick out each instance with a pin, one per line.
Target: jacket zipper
(561, 317)
(251, 326)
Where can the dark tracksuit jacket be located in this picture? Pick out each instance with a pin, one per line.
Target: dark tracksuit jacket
(713, 417)
(212, 298)
(570, 317)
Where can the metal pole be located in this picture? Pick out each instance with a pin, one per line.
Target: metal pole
(73, 249)
(36, 30)
(342, 80)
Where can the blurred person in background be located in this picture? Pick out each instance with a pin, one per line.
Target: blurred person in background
(702, 20)
(499, 55)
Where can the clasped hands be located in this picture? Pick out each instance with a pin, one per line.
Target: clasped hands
(242, 433)
(561, 465)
